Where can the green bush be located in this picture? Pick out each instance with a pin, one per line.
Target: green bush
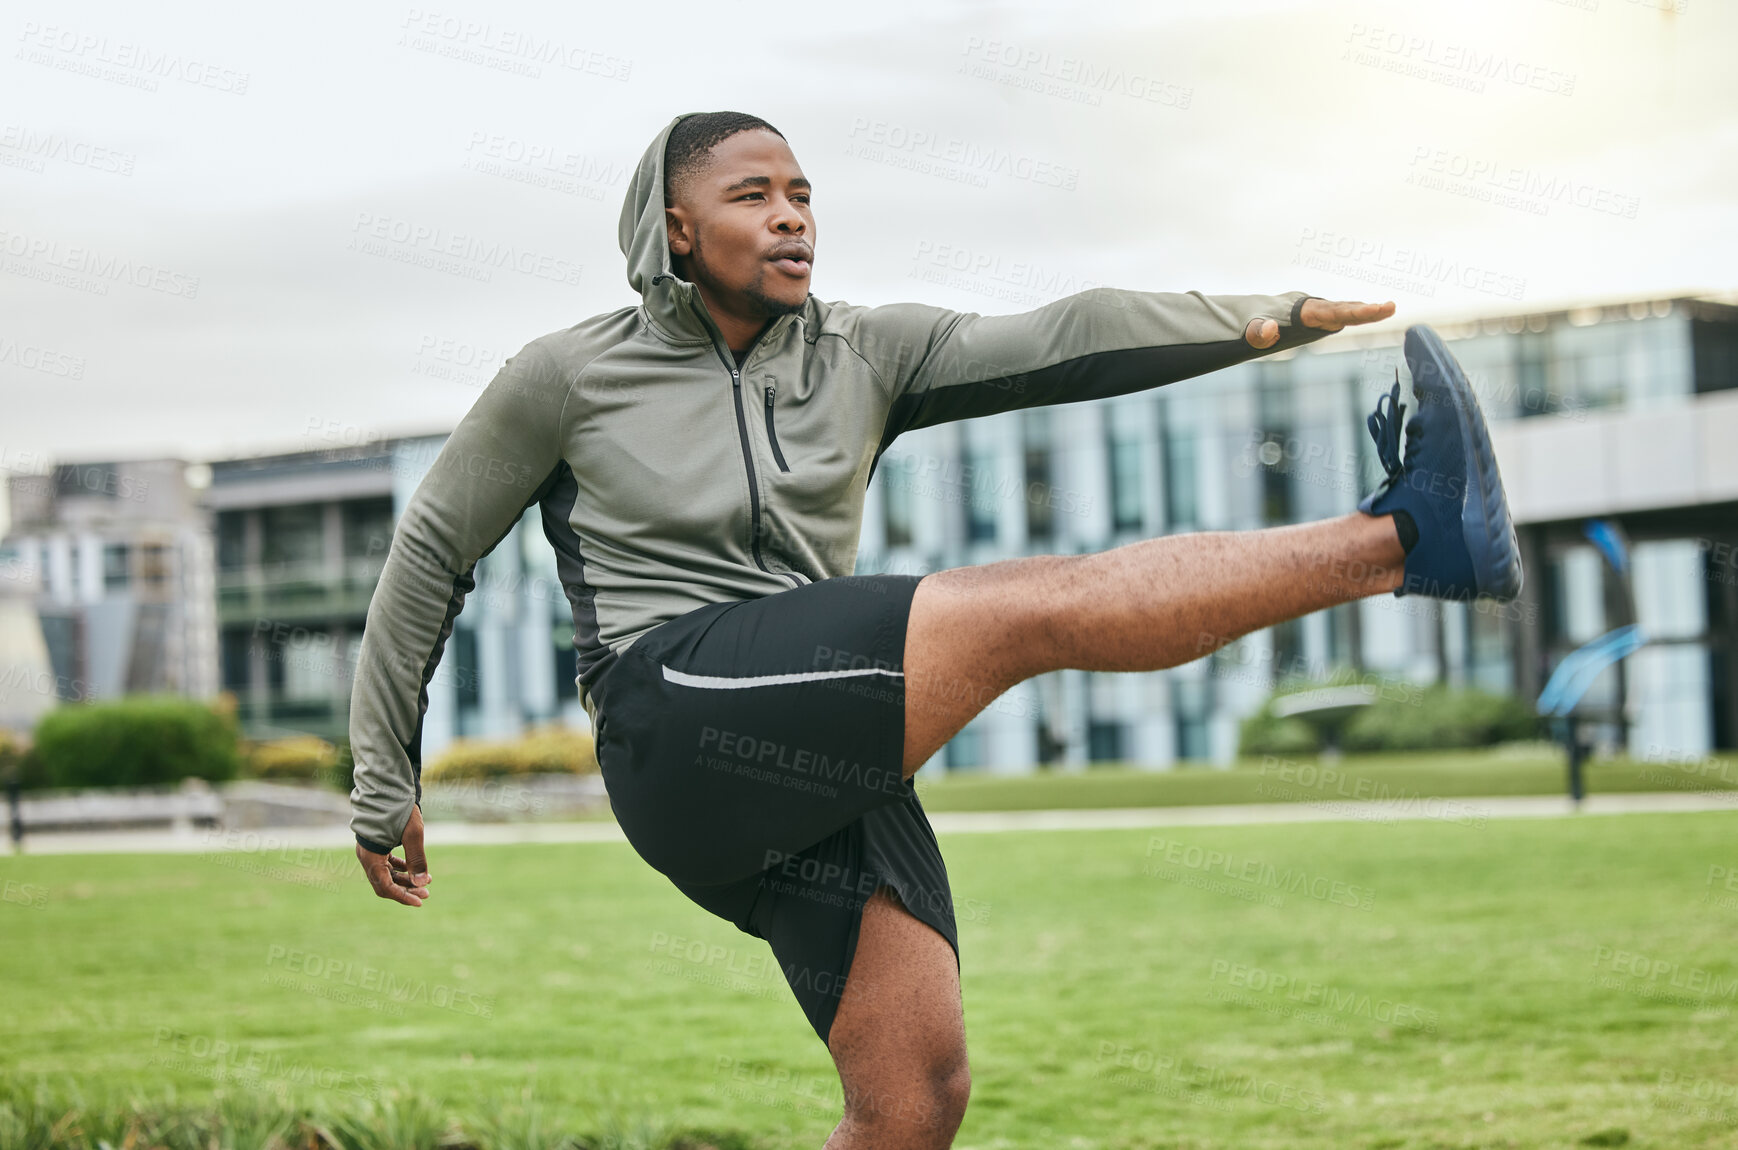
(1403, 718)
(1442, 718)
(546, 750)
(1264, 734)
(136, 742)
(297, 757)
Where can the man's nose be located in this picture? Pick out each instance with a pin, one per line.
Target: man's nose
(789, 220)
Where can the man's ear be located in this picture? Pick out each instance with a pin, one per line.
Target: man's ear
(676, 230)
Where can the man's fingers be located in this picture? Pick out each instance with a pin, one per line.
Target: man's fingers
(414, 857)
(379, 872)
(1332, 315)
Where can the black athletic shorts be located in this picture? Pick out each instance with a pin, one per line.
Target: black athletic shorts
(752, 753)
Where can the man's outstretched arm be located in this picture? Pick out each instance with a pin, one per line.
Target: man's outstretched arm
(496, 463)
(943, 365)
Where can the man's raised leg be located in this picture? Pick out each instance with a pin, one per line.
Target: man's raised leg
(973, 632)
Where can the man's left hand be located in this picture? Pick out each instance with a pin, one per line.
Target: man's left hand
(1330, 315)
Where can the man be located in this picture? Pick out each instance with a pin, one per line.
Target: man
(700, 461)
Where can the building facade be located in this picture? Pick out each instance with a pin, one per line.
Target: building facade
(116, 561)
(300, 542)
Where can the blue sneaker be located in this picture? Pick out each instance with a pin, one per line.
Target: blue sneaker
(1448, 483)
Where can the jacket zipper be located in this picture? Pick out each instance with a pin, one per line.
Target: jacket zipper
(748, 461)
(771, 434)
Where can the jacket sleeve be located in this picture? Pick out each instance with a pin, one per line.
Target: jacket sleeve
(499, 461)
(943, 365)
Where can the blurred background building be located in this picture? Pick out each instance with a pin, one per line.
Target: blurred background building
(116, 560)
(254, 575)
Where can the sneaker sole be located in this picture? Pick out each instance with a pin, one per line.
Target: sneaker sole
(1490, 540)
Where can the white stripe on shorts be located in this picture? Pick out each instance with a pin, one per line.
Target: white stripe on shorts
(674, 676)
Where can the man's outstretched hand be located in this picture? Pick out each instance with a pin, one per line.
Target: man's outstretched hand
(401, 880)
(1326, 314)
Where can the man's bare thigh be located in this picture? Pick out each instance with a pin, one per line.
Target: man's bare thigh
(972, 633)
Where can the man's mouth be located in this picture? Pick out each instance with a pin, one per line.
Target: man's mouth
(792, 263)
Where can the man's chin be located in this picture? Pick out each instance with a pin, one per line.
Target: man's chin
(773, 306)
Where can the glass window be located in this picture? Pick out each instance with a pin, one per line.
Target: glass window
(980, 495)
(896, 506)
(1715, 351)
(154, 564)
(1104, 741)
(116, 560)
(566, 663)
(292, 534)
(231, 540)
(964, 749)
(1190, 704)
(463, 653)
(1182, 478)
(1127, 482)
(367, 528)
(236, 655)
(1670, 600)
(1577, 591)
(1038, 494)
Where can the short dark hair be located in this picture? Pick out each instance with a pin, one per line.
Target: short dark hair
(691, 141)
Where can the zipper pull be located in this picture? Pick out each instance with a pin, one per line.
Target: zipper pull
(734, 382)
(769, 395)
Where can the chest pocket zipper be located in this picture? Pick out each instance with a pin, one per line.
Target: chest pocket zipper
(773, 435)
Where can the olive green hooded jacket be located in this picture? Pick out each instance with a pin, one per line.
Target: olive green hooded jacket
(667, 478)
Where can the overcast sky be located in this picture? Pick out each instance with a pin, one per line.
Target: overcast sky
(207, 211)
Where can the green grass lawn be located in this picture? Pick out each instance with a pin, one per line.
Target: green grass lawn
(1550, 983)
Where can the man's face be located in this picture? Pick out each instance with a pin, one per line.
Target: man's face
(741, 228)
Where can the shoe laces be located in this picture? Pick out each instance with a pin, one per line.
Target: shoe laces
(1384, 425)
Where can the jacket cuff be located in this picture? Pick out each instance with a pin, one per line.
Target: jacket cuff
(1295, 334)
(374, 847)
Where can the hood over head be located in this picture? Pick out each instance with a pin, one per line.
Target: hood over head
(641, 232)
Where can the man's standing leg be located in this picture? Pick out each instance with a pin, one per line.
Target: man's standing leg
(899, 1036)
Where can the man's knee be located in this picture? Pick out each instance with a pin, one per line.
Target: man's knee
(926, 1111)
